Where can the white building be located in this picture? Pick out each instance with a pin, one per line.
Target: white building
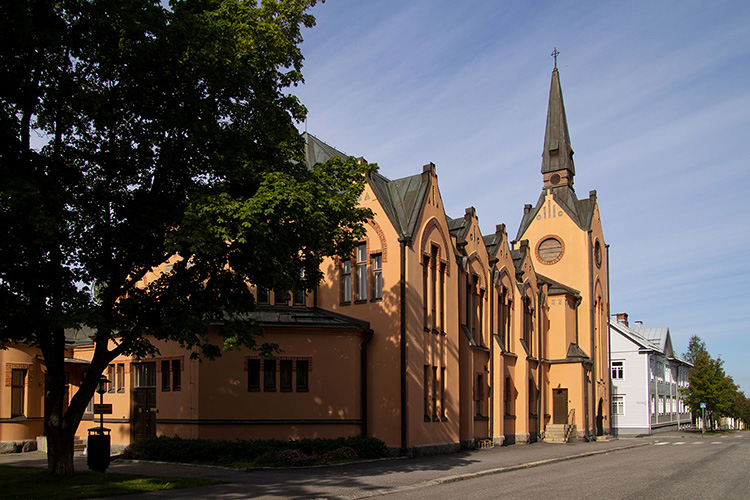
(646, 379)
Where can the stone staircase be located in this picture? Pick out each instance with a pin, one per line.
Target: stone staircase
(78, 445)
(559, 433)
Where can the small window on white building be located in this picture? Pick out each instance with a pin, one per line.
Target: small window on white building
(617, 370)
(618, 405)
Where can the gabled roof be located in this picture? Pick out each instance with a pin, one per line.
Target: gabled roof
(402, 199)
(657, 339)
(631, 335)
(317, 151)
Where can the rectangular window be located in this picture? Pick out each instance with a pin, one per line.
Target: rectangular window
(442, 394)
(120, 377)
(434, 394)
(426, 387)
(618, 405)
(303, 369)
(176, 375)
(346, 281)
(280, 298)
(506, 397)
(480, 315)
(17, 393)
(442, 297)
(285, 375)
(425, 297)
(262, 295)
(269, 375)
(165, 385)
(298, 298)
(253, 375)
(478, 395)
(433, 287)
(502, 318)
(362, 272)
(617, 370)
(145, 375)
(508, 336)
(377, 276)
(111, 378)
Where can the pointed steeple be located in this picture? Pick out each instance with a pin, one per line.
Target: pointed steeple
(557, 158)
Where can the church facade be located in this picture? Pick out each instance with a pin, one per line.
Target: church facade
(432, 336)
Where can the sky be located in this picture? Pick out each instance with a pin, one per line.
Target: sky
(657, 96)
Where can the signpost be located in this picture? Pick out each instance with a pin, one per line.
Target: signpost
(703, 418)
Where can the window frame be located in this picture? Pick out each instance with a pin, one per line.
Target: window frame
(618, 370)
(18, 392)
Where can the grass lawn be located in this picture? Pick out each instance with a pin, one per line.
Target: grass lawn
(33, 482)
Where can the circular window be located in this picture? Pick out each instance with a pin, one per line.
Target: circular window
(555, 179)
(598, 253)
(550, 250)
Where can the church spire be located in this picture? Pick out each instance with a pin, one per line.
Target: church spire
(557, 158)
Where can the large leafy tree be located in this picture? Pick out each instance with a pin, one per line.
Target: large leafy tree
(130, 132)
(708, 384)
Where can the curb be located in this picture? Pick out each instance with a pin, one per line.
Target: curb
(498, 470)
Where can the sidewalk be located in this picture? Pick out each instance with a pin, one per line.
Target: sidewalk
(355, 480)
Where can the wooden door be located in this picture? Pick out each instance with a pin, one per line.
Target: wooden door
(559, 406)
(144, 412)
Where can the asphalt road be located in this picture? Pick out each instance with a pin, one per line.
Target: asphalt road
(675, 465)
(690, 467)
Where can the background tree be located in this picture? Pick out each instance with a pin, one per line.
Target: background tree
(709, 384)
(131, 132)
(695, 347)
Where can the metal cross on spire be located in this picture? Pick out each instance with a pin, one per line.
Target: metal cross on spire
(554, 54)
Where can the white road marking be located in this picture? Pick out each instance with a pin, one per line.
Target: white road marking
(660, 444)
(679, 442)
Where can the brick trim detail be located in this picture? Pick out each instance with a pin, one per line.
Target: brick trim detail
(426, 232)
(9, 367)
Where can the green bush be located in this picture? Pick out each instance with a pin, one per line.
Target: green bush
(265, 452)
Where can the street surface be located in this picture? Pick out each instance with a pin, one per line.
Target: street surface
(672, 465)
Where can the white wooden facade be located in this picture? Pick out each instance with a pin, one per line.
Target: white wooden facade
(646, 379)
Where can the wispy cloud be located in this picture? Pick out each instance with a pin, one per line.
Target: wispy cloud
(659, 110)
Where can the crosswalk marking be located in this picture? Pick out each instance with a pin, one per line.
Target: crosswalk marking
(716, 442)
(679, 442)
(660, 444)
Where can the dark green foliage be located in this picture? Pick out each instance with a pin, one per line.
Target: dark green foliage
(133, 131)
(257, 452)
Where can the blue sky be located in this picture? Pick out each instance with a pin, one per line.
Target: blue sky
(657, 95)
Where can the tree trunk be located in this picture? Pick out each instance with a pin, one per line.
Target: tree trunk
(60, 450)
(59, 435)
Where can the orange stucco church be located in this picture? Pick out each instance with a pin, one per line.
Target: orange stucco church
(431, 336)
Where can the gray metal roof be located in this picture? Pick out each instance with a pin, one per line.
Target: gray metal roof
(402, 199)
(317, 151)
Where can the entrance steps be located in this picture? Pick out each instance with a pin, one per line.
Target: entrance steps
(78, 445)
(559, 433)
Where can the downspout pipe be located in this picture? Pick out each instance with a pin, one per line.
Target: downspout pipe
(402, 342)
(491, 330)
(363, 378)
(609, 348)
(539, 394)
(592, 320)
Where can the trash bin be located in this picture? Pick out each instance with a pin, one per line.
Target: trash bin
(97, 454)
